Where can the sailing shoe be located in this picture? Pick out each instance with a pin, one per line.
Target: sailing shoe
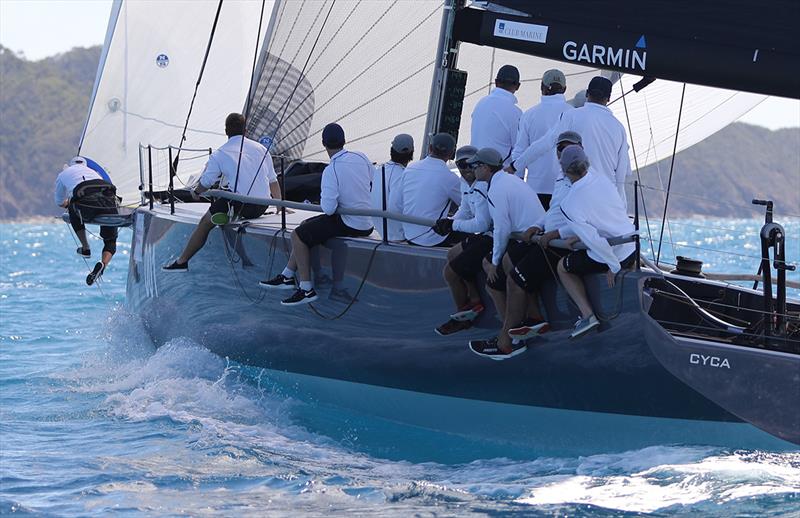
(470, 312)
(279, 282)
(341, 295)
(584, 325)
(175, 267)
(84, 252)
(323, 280)
(300, 296)
(453, 326)
(529, 329)
(97, 272)
(489, 349)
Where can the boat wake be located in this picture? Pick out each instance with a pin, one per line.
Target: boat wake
(196, 423)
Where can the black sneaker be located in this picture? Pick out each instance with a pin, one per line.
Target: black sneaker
(279, 282)
(342, 296)
(175, 267)
(300, 296)
(453, 326)
(489, 349)
(97, 272)
(84, 252)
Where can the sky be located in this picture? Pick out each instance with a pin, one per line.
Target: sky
(42, 28)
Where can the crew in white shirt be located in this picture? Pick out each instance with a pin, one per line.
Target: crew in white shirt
(496, 117)
(465, 259)
(241, 165)
(401, 153)
(594, 214)
(429, 187)
(604, 137)
(345, 185)
(514, 207)
(536, 123)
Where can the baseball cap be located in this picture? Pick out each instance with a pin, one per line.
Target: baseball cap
(579, 99)
(443, 143)
(77, 160)
(599, 87)
(488, 156)
(508, 74)
(403, 143)
(333, 136)
(570, 136)
(465, 152)
(570, 155)
(554, 76)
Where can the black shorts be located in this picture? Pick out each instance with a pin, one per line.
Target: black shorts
(241, 210)
(315, 231)
(579, 263)
(536, 266)
(469, 263)
(544, 199)
(90, 199)
(453, 238)
(516, 251)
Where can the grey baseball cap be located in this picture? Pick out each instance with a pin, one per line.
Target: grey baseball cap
(488, 156)
(443, 143)
(554, 76)
(465, 152)
(403, 143)
(571, 155)
(508, 74)
(570, 136)
(579, 99)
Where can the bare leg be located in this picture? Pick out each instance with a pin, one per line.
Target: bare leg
(576, 290)
(106, 258)
(301, 256)
(532, 309)
(515, 307)
(82, 238)
(197, 239)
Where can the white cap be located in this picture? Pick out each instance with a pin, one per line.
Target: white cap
(77, 160)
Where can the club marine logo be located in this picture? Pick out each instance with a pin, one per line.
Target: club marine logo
(604, 55)
(520, 31)
(162, 60)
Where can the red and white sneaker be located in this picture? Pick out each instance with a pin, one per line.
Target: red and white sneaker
(469, 312)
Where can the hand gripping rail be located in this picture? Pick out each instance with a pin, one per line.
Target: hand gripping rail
(216, 193)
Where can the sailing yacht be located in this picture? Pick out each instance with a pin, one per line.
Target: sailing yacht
(679, 358)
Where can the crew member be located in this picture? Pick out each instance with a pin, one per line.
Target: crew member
(345, 185)
(245, 167)
(428, 188)
(464, 260)
(604, 137)
(86, 194)
(401, 153)
(593, 215)
(514, 207)
(534, 124)
(496, 116)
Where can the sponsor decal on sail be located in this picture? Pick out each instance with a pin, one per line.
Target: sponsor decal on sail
(606, 55)
(521, 31)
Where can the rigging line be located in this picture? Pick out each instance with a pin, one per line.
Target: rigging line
(638, 174)
(85, 262)
(336, 65)
(367, 102)
(726, 203)
(174, 165)
(362, 137)
(247, 104)
(671, 170)
(283, 48)
(702, 116)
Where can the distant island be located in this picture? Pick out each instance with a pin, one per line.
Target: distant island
(43, 107)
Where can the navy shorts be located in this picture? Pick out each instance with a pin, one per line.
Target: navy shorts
(315, 231)
(579, 263)
(241, 210)
(516, 251)
(469, 263)
(536, 266)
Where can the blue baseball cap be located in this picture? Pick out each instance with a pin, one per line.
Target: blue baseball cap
(333, 136)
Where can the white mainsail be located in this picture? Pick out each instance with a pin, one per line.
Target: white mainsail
(151, 60)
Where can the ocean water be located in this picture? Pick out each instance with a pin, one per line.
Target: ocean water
(95, 419)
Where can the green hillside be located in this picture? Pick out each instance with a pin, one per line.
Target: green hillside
(43, 106)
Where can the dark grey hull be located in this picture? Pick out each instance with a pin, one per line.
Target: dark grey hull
(385, 344)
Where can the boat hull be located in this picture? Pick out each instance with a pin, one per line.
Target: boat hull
(610, 381)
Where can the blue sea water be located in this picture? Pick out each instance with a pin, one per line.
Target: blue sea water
(95, 419)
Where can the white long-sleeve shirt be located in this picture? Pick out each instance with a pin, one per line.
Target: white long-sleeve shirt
(346, 183)
(428, 188)
(255, 171)
(533, 125)
(69, 178)
(494, 122)
(604, 141)
(394, 179)
(473, 215)
(554, 219)
(594, 214)
(514, 208)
